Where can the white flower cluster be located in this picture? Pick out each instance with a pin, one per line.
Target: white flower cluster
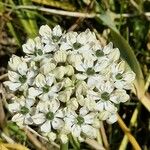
(67, 83)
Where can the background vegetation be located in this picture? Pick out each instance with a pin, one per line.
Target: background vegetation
(124, 22)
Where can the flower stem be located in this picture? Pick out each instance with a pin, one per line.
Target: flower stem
(75, 144)
(64, 146)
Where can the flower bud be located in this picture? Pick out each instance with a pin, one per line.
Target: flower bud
(51, 136)
(63, 138)
(60, 56)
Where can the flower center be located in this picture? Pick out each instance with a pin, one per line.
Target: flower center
(50, 115)
(119, 76)
(22, 79)
(99, 53)
(80, 120)
(45, 89)
(55, 38)
(38, 52)
(77, 45)
(105, 96)
(90, 71)
(24, 110)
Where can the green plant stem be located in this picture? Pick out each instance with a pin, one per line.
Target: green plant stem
(64, 146)
(31, 17)
(74, 142)
(25, 23)
(12, 31)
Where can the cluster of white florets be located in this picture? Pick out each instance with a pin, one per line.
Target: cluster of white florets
(67, 83)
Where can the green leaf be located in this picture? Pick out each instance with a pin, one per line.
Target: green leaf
(128, 54)
(58, 4)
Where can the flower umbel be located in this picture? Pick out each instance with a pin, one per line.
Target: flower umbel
(68, 83)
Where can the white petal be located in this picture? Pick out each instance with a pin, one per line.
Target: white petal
(14, 62)
(59, 113)
(89, 63)
(93, 80)
(107, 87)
(121, 66)
(83, 111)
(101, 64)
(49, 48)
(65, 46)
(76, 130)
(119, 84)
(89, 118)
(109, 106)
(40, 80)
(46, 127)
(129, 76)
(22, 68)
(71, 37)
(50, 79)
(99, 106)
(57, 31)
(38, 43)
(13, 76)
(18, 118)
(113, 118)
(93, 95)
(54, 105)
(45, 30)
(30, 102)
(81, 38)
(89, 131)
(80, 67)
(38, 118)
(81, 76)
(31, 74)
(12, 86)
(44, 97)
(57, 123)
(119, 96)
(27, 119)
(107, 49)
(114, 55)
(29, 47)
(14, 107)
(32, 92)
(56, 87)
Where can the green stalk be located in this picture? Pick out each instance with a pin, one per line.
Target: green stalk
(12, 31)
(64, 146)
(25, 23)
(74, 142)
(31, 17)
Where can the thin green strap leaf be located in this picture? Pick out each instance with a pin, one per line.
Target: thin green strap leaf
(31, 17)
(58, 4)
